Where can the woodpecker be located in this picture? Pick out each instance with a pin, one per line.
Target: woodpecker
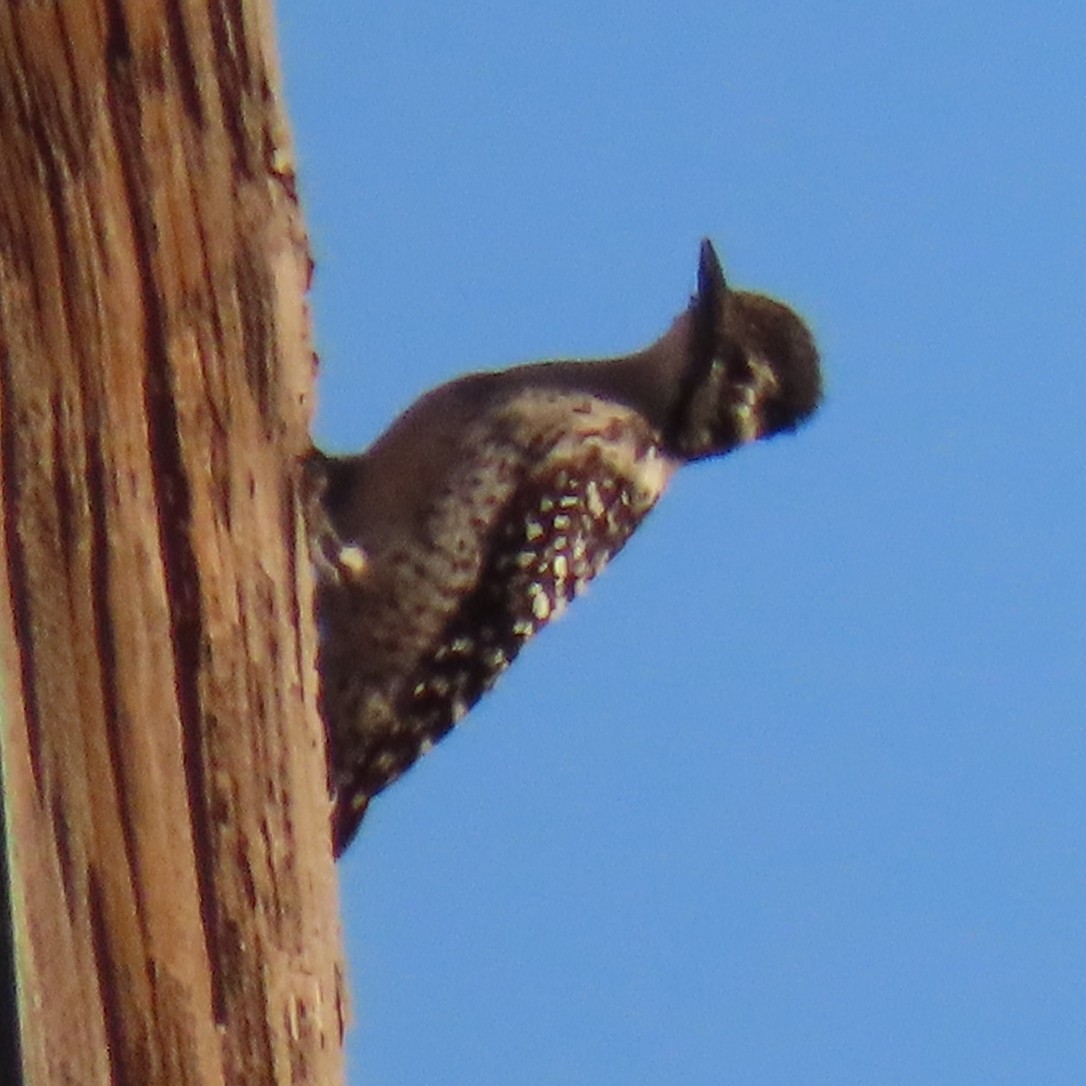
(493, 501)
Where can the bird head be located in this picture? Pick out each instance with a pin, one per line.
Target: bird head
(752, 369)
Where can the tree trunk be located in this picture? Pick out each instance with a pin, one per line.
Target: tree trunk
(173, 895)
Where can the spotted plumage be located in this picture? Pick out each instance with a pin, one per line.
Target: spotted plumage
(494, 500)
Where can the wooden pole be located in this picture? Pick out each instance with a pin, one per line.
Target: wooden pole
(172, 889)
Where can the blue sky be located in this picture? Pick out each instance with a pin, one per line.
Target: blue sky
(797, 793)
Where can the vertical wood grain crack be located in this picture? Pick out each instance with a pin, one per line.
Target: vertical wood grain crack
(173, 498)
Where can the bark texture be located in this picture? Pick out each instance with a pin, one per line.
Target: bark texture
(173, 889)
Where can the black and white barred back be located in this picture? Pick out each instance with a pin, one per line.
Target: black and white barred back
(495, 499)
